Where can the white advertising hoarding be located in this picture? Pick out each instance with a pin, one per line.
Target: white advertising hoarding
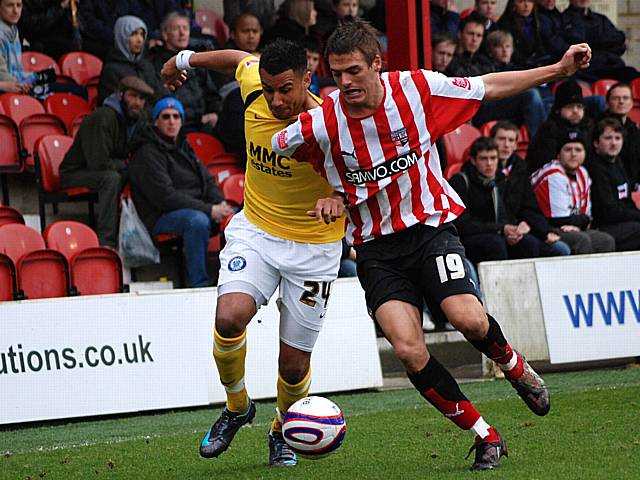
(591, 306)
(83, 356)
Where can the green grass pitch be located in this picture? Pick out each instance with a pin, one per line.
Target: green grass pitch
(592, 432)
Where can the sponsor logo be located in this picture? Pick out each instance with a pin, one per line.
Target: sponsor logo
(237, 263)
(282, 140)
(456, 413)
(267, 161)
(462, 83)
(400, 164)
(400, 137)
(614, 308)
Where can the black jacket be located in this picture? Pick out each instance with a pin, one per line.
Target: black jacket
(97, 18)
(467, 65)
(521, 200)
(167, 176)
(47, 27)
(482, 202)
(117, 66)
(609, 184)
(606, 41)
(551, 32)
(102, 143)
(527, 51)
(630, 154)
(543, 146)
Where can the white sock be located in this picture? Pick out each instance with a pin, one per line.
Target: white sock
(511, 364)
(481, 428)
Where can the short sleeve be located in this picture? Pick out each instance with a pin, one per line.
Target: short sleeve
(288, 140)
(248, 76)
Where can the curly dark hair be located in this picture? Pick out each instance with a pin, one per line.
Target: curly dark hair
(282, 55)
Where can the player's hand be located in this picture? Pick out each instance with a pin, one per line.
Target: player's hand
(569, 228)
(577, 57)
(172, 78)
(328, 209)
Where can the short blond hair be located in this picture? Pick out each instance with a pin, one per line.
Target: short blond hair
(498, 37)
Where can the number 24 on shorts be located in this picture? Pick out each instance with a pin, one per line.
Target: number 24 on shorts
(450, 267)
(313, 288)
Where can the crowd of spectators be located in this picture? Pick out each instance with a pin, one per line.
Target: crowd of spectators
(577, 176)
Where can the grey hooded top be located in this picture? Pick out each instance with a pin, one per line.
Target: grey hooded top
(122, 30)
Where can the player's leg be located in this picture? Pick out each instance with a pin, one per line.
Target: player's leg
(307, 277)
(246, 282)
(401, 323)
(467, 314)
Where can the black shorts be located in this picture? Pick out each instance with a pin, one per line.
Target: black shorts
(431, 269)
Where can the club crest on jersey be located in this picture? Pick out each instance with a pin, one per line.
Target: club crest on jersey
(282, 140)
(461, 82)
(237, 263)
(400, 137)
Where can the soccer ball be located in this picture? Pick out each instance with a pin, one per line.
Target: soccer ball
(314, 427)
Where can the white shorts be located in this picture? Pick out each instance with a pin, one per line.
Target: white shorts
(255, 262)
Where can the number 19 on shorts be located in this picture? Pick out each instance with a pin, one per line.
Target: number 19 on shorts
(450, 267)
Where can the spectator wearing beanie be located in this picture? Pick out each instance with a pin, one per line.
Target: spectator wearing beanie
(173, 192)
(563, 191)
(568, 113)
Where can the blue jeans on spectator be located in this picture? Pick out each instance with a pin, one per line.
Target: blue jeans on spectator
(194, 226)
(526, 107)
(555, 249)
(347, 268)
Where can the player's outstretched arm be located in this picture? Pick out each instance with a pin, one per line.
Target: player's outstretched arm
(223, 61)
(505, 84)
(328, 209)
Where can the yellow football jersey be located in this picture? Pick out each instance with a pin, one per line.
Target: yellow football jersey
(278, 190)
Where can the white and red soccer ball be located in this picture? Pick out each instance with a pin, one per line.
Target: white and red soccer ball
(314, 427)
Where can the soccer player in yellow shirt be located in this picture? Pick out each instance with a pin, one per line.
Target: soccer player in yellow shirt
(274, 241)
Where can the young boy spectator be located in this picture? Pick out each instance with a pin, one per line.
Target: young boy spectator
(98, 154)
(127, 58)
(563, 191)
(173, 192)
(518, 194)
(198, 93)
(526, 107)
(581, 24)
(619, 103)
(613, 210)
(245, 33)
(443, 48)
(312, 48)
(568, 113)
(488, 230)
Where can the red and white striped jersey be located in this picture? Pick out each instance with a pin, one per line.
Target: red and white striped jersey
(560, 195)
(387, 164)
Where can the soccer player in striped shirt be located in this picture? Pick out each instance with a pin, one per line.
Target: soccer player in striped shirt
(374, 141)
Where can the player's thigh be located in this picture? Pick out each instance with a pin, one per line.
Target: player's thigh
(305, 289)
(244, 267)
(444, 272)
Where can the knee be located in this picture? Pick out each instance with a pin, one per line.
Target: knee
(413, 355)
(230, 322)
(293, 372)
(200, 222)
(466, 314)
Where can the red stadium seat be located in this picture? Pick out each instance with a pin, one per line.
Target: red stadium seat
(50, 151)
(457, 143)
(485, 128)
(205, 146)
(18, 106)
(92, 91)
(93, 269)
(634, 115)
(32, 129)
(81, 66)
(225, 158)
(8, 285)
(41, 273)
(213, 24)
(10, 158)
(10, 215)
(635, 91)
(602, 86)
(233, 189)
(523, 141)
(75, 124)
(33, 61)
(452, 169)
(222, 172)
(67, 107)
(635, 196)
